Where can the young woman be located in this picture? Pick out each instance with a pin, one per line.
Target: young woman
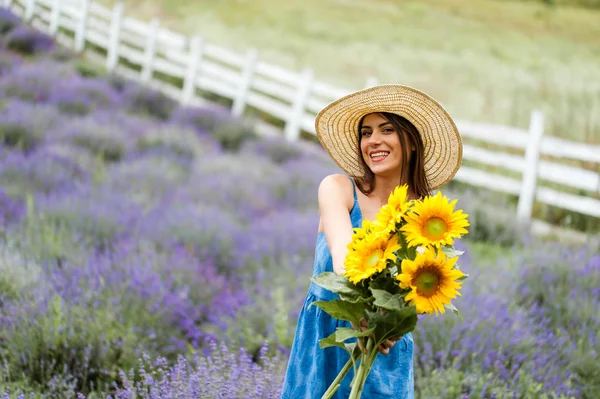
(380, 137)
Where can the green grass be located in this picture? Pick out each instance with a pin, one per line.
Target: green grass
(485, 60)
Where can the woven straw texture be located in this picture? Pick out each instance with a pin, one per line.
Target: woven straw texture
(337, 128)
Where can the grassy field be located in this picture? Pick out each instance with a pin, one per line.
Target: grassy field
(491, 61)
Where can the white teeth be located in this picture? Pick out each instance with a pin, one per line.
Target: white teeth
(379, 154)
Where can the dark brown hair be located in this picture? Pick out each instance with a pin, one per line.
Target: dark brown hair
(413, 160)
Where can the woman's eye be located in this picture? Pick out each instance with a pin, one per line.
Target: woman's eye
(365, 133)
(388, 130)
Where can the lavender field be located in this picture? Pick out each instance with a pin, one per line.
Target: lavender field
(150, 250)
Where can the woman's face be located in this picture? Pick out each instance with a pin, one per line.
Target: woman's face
(380, 145)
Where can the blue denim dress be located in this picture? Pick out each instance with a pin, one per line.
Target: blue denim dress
(312, 369)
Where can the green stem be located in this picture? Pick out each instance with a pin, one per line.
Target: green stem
(363, 370)
(336, 383)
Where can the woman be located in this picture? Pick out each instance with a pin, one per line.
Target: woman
(381, 137)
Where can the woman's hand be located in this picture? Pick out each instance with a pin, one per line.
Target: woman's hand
(385, 346)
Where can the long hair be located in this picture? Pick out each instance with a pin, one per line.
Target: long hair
(413, 160)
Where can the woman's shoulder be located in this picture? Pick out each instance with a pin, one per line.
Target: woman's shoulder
(337, 187)
(336, 181)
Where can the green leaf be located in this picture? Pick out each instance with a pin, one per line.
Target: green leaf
(453, 308)
(392, 323)
(385, 283)
(350, 347)
(340, 285)
(463, 277)
(343, 310)
(360, 299)
(344, 333)
(331, 341)
(451, 252)
(388, 301)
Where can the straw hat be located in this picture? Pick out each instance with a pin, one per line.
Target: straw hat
(337, 128)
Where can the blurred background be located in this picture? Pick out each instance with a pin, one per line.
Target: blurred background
(489, 61)
(159, 172)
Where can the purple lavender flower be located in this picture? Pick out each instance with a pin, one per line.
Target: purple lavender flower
(155, 175)
(11, 210)
(8, 20)
(206, 229)
(102, 137)
(27, 40)
(219, 374)
(97, 212)
(202, 119)
(39, 172)
(8, 61)
(34, 81)
(81, 96)
(276, 149)
(24, 125)
(148, 102)
(180, 140)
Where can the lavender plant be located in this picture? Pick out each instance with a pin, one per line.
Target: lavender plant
(81, 96)
(8, 20)
(11, 210)
(29, 41)
(96, 212)
(181, 141)
(34, 81)
(276, 149)
(103, 138)
(24, 125)
(152, 103)
(220, 374)
(39, 172)
(206, 230)
(202, 119)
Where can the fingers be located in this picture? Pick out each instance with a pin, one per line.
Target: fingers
(386, 345)
(363, 324)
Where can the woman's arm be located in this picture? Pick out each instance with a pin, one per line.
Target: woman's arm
(335, 202)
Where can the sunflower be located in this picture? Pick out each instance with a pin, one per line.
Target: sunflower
(369, 256)
(432, 281)
(360, 232)
(391, 213)
(433, 221)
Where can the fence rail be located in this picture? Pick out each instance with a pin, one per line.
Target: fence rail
(141, 50)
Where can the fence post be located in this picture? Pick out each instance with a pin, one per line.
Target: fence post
(29, 11)
(116, 21)
(82, 26)
(239, 101)
(189, 83)
(294, 123)
(150, 51)
(532, 156)
(371, 81)
(54, 17)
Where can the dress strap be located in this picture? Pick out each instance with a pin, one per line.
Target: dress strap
(354, 188)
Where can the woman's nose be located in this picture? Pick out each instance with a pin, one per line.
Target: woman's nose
(374, 138)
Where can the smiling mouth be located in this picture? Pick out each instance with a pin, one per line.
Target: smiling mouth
(379, 156)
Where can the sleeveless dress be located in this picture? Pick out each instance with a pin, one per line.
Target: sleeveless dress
(312, 369)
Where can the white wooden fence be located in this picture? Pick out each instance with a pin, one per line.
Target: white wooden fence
(140, 50)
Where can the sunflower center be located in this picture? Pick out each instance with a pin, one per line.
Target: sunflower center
(435, 228)
(427, 282)
(374, 258)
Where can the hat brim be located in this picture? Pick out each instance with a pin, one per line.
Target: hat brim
(337, 129)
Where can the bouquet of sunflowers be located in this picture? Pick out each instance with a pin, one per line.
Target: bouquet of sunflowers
(398, 266)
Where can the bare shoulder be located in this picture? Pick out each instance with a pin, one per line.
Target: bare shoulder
(336, 188)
